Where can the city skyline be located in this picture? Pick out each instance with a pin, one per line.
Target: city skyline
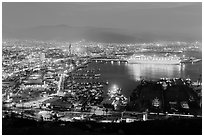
(101, 68)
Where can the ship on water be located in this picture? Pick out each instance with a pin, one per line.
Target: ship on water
(172, 60)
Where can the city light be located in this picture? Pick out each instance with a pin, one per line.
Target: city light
(114, 87)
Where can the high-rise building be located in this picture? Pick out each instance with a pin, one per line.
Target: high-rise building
(42, 56)
(70, 51)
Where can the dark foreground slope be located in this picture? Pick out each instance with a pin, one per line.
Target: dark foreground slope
(16, 126)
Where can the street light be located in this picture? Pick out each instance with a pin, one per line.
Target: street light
(21, 108)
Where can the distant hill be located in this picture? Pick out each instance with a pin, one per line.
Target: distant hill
(70, 33)
(59, 32)
(65, 32)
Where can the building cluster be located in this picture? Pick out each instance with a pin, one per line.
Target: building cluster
(33, 68)
(54, 76)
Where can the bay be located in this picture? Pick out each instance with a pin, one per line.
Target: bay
(127, 76)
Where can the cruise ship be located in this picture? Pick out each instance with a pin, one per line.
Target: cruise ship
(154, 60)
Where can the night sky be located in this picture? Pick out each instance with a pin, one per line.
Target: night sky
(103, 22)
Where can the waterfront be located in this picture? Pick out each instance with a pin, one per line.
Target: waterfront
(106, 68)
(127, 76)
(75, 89)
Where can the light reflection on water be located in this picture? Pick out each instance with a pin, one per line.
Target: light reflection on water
(154, 71)
(126, 76)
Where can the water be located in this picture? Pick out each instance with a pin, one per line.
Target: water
(126, 76)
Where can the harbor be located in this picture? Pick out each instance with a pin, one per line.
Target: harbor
(83, 95)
